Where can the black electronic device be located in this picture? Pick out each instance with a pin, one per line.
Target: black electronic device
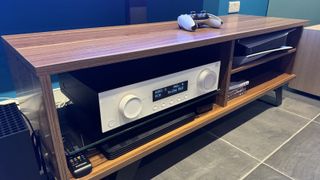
(150, 128)
(120, 145)
(121, 106)
(78, 164)
(261, 43)
(127, 137)
(119, 94)
(17, 157)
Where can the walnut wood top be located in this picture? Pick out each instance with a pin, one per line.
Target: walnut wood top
(62, 51)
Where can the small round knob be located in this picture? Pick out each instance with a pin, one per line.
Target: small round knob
(206, 80)
(130, 106)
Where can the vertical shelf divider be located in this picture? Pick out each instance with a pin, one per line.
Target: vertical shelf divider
(226, 57)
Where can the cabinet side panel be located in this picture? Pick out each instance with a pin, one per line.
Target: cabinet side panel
(307, 63)
(30, 94)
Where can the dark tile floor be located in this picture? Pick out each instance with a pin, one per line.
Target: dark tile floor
(256, 142)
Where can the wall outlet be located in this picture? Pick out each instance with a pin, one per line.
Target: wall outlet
(234, 6)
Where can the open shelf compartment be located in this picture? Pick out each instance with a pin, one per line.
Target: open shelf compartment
(253, 51)
(103, 166)
(263, 60)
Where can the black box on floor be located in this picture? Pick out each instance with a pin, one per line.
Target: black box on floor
(17, 157)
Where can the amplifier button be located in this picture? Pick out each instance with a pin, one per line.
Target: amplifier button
(163, 104)
(155, 108)
(206, 80)
(171, 101)
(130, 106)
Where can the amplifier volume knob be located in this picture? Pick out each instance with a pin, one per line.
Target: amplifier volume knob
(130, 106)
(207, 80)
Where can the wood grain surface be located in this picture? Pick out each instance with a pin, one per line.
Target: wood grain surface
(62, 51)
(307, 63)
(226, 56)
(36, 102)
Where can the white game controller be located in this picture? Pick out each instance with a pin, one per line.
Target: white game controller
(192, 21)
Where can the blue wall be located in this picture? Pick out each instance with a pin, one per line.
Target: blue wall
(212, 6)
(254, 7)
(165, 10)
(296, 9)
(19, 16)
(251, 7)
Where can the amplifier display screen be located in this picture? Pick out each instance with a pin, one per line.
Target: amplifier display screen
(170, 90)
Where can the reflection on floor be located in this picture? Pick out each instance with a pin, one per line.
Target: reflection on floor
(258, 141)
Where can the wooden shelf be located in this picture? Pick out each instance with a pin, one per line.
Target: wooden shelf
(103, 167)
(263, 60)
(63, 51)
(34, 58)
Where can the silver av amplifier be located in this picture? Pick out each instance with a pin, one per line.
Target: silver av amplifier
(117, 96)
(129, 103)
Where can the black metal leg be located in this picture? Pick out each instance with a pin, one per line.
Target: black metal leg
(278, 96)
(277, 100)
(128, 172)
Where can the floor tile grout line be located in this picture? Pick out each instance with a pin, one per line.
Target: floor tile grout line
(273, 152)
(249, 172)
(286, 141)
(239, 149)
(234, 146)
(279, 147)
(316, 122)
(293, 113)
(273, 168)
(313, 119)
(247, 153)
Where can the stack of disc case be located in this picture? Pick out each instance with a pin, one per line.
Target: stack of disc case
(237, 89)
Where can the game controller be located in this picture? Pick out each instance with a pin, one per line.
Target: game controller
(192, 21)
